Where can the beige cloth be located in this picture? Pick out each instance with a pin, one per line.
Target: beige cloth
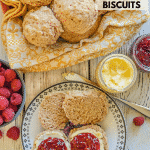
(115, 29)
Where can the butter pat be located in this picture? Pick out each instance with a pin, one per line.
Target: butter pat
(117, 73)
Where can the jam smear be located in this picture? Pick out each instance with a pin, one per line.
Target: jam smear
(143, 51)
(85, 141)
(52, 144)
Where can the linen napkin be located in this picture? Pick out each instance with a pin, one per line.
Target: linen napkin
(115, 29)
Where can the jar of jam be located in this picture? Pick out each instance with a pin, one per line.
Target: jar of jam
(116, 73)
(140, 52)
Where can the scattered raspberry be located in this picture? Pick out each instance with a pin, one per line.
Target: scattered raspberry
(2, 80)
(2, 71)
(1, 134)
(13, 133)
(14, 107)
(1, 120)
(0, 64)
(8, 114)
(3, 102)
(16, 99)
(5, 92)
(10, 75)
(16, 85)
(138, 121)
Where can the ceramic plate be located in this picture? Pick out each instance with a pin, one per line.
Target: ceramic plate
(113, 124)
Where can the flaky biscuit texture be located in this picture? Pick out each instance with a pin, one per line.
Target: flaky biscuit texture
(85, 107)
(51, 113)
(40, 27)
(74, 37)
(76, 15)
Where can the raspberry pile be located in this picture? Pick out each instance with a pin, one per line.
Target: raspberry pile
(143, 51)
(10, 93)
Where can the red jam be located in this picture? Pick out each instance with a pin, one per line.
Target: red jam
(143, 51)
(52, 144)
(85, 141)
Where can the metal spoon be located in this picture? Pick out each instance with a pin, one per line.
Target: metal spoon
(75, 77)
(143, 110)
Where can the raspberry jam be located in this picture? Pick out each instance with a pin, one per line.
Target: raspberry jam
(85, 141)
(52, 143)
(141, 52)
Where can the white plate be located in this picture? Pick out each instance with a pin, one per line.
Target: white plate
(114, 124)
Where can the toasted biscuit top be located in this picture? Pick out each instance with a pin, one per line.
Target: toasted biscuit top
(74, 37)
(84, 107)
(40, 27)
(51, 113)
(76, 15)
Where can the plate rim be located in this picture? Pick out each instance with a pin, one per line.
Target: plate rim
(81, 83)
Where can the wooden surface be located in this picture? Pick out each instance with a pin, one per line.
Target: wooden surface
(137, 137)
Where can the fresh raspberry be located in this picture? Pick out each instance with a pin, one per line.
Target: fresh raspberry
(1, 134)
(0, 64)
(16, 85)
(14, 107)
(1, 120)
(13, 133)
(3, 102)
(8, 114)
(2, 80)
(138, 121)
(10, 75)
(16, 99)
(5, 92)
(2, 71)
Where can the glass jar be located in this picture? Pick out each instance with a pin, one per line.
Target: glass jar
(140, 52)
(116, 73)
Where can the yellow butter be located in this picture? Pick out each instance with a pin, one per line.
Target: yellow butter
(117, 73)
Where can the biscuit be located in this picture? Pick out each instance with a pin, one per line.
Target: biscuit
(36, 2)
(48, 133)
(96, 128)
(74, 37)
(51, 113)
(75, 15)
(85, 107)
(40, 27)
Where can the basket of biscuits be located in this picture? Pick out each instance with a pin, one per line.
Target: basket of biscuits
(52, 34)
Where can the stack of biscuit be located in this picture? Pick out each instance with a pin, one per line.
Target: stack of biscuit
(48, 20)
(79, 107)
